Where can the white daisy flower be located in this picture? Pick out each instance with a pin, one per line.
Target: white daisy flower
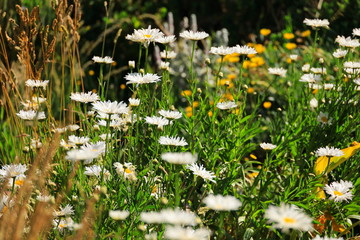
(64, 211)
(222, 203)
(314, 103)
(12, 170)
(44, 198)
(96, 170)
(168, 54)
(324, 118)
(159, 121)
(222, 51)
(277, 71)
(347, 42)
(170, 216)
(106, 60)
(339, 53)
(267, 146)
(339, 191)
(37, 83)
(310, 78)
(226, 105)
(75, 140)
(126, 170)
(317, 22)
(166, 39)
(109, 107)
(139, 78)
(287, 217)
(191, 35)
(73, 127)
(87, 152)
(180, 233)
(65, 223)
(326, 238)
(131, 64)
(84, 97)
(179, 157)
(134, 102)
(244, 50)
(145, 36)
(293, 57)
(199, 170)
(305, 67)
(351, 64)
(329, 152)
(172, 141)
(328, 86)
(357, 81)
(170, 114)
(318, 70)
(164, 66)
(118, 214)
(356, 32)
(31, 115)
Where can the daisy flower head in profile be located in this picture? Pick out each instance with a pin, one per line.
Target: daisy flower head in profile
(168, 54)
(278, 71)
(244, 50)
(288, 216)
(267, 146)
(327, 238)
(317, 23)
(178, 232)
(12, 170)
(31, 115)
(226, 105)
(222, 51)
(139, 78)
(37, 83)
(170, 114)
(199, 170)
(329, 152)
(339, 53)
(179, 157)
(339, 191)
(84, 97)
(222, 203)
(347, 42)
(172, 141)
(159, 121)
(166, 39)
(106, 60)
(356, 32)
(170, 216)
(195, 36)
(64, 211)
(109, 107)
(134, 102)
(118, 214)
(145, 36)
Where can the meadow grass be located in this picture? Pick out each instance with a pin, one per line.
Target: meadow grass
(220, 143)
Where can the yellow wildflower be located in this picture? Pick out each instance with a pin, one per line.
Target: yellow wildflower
(122, 86)
(265, 31)
(306, 33)
(288, 36)
(290, 46)
(91, 72)
(250, 90)
(186, 93)
(267, 105)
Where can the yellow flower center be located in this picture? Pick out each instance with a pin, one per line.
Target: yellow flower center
(128, 170)
(147, 35)
(324, 119)
(289, 220)
(337, 193)
(62, 225)
(19, 182)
